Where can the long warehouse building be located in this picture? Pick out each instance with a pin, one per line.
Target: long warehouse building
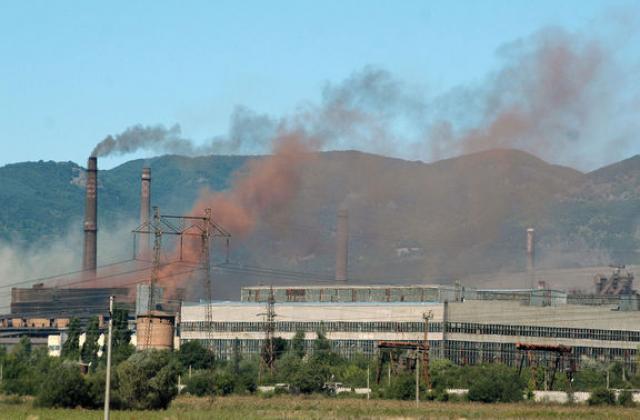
(472, 331)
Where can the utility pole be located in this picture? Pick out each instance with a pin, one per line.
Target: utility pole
(205, 259)
(425, 349)
(269, 329)
(107, 386)
(418, 376)
(368, 385)
(155, 272)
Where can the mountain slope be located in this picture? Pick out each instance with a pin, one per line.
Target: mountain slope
(409, 221)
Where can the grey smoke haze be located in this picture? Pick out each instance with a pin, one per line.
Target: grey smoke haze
(156, 138)
(247, 130)
(568, 97)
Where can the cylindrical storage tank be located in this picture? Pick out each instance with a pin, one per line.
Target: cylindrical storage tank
(154, 330)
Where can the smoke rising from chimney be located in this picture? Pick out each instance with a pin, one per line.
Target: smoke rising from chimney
(557, 95)
(156, 138)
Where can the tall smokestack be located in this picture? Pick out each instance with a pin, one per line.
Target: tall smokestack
(531, 249)
(145, 211)
(342, 245)
(90, 254)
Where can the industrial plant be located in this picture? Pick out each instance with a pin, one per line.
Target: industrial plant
(467, 325)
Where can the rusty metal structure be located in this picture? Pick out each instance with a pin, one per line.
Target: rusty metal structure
(184, 228)
(616, 284)
(342, 245)
(90, 250)
(403, 355)
(536, 357)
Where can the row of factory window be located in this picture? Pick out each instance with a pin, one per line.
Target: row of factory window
(333, 326)
(460, 352)
(409, 327)
(541, 331)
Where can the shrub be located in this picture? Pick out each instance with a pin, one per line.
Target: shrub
(602, 396)
(310, 377)
(95, 388)
(194, 354)
(64, 387)
(147, 380)
(496, 383)
(403, 387)
(626, 398)
(246, 378)
(224, 383)
(201, 384)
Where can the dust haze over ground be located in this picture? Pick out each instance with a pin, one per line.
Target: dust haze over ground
(23, 267)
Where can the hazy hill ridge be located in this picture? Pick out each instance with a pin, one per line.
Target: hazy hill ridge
(408, 219)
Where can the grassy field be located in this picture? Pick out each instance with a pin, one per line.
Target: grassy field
(247, 408)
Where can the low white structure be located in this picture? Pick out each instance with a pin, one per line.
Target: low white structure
(465, 332)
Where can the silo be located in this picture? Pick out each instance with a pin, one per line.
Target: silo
(154, 330)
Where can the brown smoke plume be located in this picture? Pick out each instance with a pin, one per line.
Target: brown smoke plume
(557, 96)
(267, 186)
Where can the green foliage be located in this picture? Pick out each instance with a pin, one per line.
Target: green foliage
(224, 381)
(64, 387)
(89, 351)
(297, 344)
(310, 377)
(588, 378)
(201, 383)
(147, 380)
(279, 348)
(24, 369)
(496, 383)
(321, 343)
(625, 398)
(246, 377)
(22, 351)
(602, 396)
(287, 367)
(403, 387)
(352, 375)
(71, 346)
(237, 356)
(195, 355)
(121, 349)
(95, 388)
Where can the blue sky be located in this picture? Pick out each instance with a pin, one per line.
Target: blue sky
(72, 72)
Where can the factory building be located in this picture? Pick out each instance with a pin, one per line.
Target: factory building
(466, 332)
(402, 293)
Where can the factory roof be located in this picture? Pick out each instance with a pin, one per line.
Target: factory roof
(313, 311)
(471, 311)
(350, 286)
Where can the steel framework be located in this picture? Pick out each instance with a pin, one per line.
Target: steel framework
(202, 227)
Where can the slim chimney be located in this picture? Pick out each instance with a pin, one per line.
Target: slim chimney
(531, 249)
(90, 257)
(145, 211)
(342, 245)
